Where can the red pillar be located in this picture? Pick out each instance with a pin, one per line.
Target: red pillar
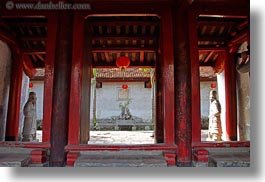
(167, 69)
(49, 75)
(12, 124)
(195, 77)
(76, 81)
(230, 97)
(61, 88)
(159, 122)
(183, 86)
(86, 87)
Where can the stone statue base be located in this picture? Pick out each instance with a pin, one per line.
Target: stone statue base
(29, 138)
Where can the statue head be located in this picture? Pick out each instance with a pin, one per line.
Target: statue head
(32, 96)
(213, 95)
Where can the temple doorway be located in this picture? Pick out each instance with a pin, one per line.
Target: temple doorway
(122, 97)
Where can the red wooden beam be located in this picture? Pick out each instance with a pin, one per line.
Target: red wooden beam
(107, 57)
(122, 49)
(227, 144)
(32, 145)
(222, 14)
(28, 24)
(120, 147)
(211, 48)
(142, 56)
(240, 38)
(123, 79)
(208, 57)
(123, 23)
(222, 8)
(28, 67)
(205, 79)
(40, 57)
(34, 51)
(216, 23)
(112, 64)
(24, 13)
(34, 58)
(212, 39)
(127, 37)
(243, 25)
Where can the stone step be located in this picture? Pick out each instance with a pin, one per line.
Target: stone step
(237, 157)
(14, 160)
(232, 160)
(130, 158)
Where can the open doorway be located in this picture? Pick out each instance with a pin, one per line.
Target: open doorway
(121, 106)
(122, 99)
(220, 55)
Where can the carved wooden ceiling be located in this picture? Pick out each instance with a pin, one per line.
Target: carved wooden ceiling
(31, 34)
(216, 34)
(134, 36)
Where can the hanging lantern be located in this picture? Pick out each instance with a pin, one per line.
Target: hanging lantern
(124, 86)
(213, 85)
(31, 85)
(123, 62)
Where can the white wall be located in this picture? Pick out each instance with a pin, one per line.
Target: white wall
(108, 103)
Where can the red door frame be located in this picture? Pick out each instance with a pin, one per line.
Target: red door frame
(76, 79)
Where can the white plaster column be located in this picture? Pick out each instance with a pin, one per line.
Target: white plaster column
(5, 76)
(221, 96)
(23, 100)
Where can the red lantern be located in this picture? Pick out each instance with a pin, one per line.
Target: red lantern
(31, 85)
(213, 85)
(124, 86)
(123, 62)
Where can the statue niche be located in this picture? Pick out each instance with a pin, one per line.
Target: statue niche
(125, 111)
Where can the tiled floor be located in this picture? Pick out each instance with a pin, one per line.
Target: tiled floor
(122, 137)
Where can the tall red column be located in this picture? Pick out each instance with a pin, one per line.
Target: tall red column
(230, 97)
(159, 122)
(183, 86)
(76, 81)
(86, 87)
(167, 69)
(12, 124)
(195, 77)
(49, 75)
(61, 88)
